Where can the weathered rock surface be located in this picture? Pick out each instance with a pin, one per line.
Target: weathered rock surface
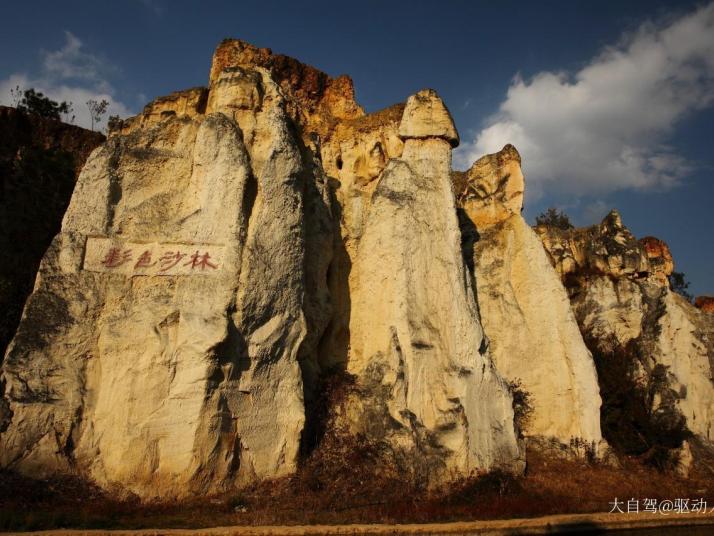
(426, 117)
(492, 190)
(207, 274)
(354, 154)
(425, 383)
(186, 103)
(39, 162)
(705, 303)
(232, 246)
(661, 264)
(316, 101)
(605, 249)
(170, 385)
(525, 310)
(620, 294)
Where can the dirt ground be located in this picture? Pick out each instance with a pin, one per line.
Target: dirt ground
(332, 494)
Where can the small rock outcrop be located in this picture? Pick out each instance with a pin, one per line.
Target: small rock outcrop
(661, 264)
(534, 338)
(316, 101)
(705, 303)
(620, 294)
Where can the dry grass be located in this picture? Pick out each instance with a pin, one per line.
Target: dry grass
(323, 494)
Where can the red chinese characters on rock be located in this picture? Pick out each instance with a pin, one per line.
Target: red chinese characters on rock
(116, 257)
(144, 260)
(170, 259)
(156, 259)
(197, 261)
(200, 261)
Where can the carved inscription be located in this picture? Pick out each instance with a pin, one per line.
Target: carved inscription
(133, 258)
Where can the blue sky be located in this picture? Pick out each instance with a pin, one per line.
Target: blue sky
(610, 103)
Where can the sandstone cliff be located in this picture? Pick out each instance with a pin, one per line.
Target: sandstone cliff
(160, 351)
(232, 248)
(533, 335)
(620, 294)
(221, 252)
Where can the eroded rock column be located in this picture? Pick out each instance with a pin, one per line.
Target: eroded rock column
(425, 385)
(534, 338)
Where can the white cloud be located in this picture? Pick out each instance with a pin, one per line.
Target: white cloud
(70, 74)
(604, 128)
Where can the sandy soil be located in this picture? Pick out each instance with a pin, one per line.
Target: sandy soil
(541, 525)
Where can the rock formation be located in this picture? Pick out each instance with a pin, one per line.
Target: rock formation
(161, 350)
(661, 264)
(40, 159)
(221, 252)
(620, 294)
(424, 382)
(231, 247)
(705, 303)
(534, 338)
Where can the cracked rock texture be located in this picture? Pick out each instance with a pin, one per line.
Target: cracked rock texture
(424, 381)
(534, 338)
(343, 246)
(620, 294)
(165, 386)
(339, 248)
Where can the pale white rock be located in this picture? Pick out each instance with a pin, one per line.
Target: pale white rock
(425, 385)
(621, 299)
(525, 310)
(682, 347)
(612, 309)
(425, 116)
(174, 385)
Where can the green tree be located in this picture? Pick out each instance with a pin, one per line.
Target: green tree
(16, 96)
(679, 284)
(114, 123)
(97, 110)
(34, 102)
(554, 218)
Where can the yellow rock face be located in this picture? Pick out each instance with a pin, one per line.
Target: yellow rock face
(621, 298)
(314, 100)
(416, 345)
(525, 310)
(425, 116)
(659, 257)
(187, 103)
(492, 189)
(170, 382)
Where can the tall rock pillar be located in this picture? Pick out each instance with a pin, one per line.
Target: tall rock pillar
(424, 382)
(534, 337)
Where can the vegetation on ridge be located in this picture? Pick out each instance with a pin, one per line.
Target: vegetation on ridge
(35, 102)
(554, 218)
(638, 415)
